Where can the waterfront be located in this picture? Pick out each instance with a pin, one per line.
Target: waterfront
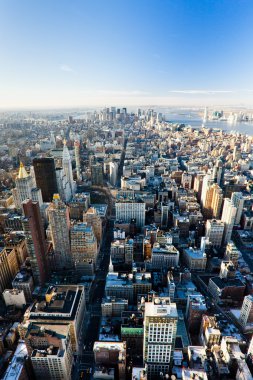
(196, 121)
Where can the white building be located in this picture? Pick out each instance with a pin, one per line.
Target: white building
(160, 327)
(113, 173)
(246, 315)
(25, 188)
(14, 297)
(214, 232)
(228, 217)
(126, 211)
(17, 367)
(53, 363)
(238, 201)
(67, 167)
(164, 256)
(195, 259)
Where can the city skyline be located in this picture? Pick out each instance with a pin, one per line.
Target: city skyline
(136, 53)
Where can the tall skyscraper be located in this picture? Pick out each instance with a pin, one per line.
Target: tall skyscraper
(218, 172)
(246, 315)
(67, 167)
(83, 248)
(228, 217)
(25, 188)
(77, 158)
(207, 182)
(97, 175)
(92, 218)
(217, 199)
(44, 169)
(160, 327)
(35, 240)
(238, 201)
(59, 224)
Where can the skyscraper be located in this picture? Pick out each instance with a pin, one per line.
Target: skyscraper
(246, 315)
(97, 175)
(238, 201)
(67, 167)
(214, 232)
(77, 158)
(92, 218)
(228, 217)
(83, 248)
(25, 188)
(44, 169)
(207, 182)
(35, 240)
(217, 199)
(59, 224)
(160, 327)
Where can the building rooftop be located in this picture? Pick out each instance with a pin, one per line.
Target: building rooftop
(15, 367)
(161, 307)
(195, 253)
(61, 302)
(222, 283)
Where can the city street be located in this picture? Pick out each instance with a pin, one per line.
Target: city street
(84, 363)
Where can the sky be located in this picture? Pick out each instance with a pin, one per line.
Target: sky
(75, 53)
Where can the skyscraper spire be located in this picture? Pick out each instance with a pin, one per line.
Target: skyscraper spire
(22, 172)
(67, 166)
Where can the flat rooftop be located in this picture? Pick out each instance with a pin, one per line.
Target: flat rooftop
(161, 307)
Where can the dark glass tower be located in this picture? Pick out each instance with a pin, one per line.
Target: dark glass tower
(44, 169)
(35, 240)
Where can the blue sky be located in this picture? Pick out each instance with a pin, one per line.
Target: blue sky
(59, 53)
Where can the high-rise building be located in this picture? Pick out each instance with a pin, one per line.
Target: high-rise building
(44, 169)
(8, 267)
(232, 253)
(67, 167)
(108, 355)
(63, 185)
(213, 202)
(246, 315)
(126, 211)
(92, 218)
(35, 240)
(164, 256)
(207, 183)
(62, 309)
(214, 232)
(217, 199)
(59, 224)
(228, 217)
(160, 327)
(97, 175)
(195, 308)
(77, 158)
(51, 355)
(218, 172)
(186, 180)
(83, 248)
(237, 199)
(25, 188)
(113, 173)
